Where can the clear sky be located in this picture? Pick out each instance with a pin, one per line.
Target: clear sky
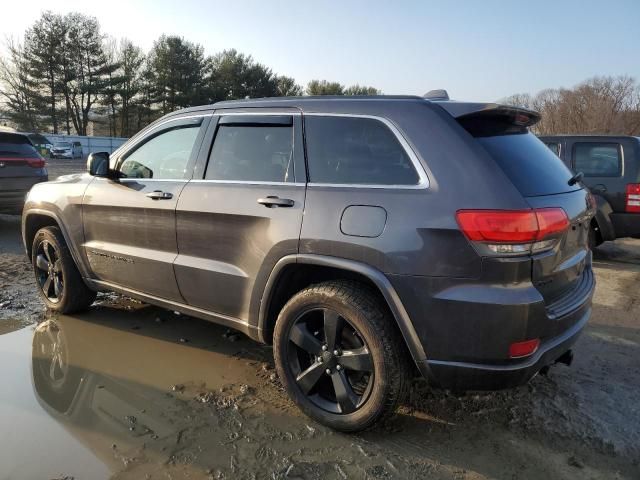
(477, 50)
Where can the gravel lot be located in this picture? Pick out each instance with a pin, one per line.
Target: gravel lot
(132, 391)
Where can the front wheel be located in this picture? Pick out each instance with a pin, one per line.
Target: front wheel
(60, 285)
(339, 355)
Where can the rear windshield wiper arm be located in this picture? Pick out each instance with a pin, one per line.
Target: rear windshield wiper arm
(575, 179)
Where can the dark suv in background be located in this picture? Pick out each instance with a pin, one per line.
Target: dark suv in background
(21, 167)
(360, 236)
(611, 169)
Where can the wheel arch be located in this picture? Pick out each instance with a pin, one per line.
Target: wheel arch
(35, 219)
(284, 282)
(602, 221)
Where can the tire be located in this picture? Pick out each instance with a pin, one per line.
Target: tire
(60, 285)
(369, 365)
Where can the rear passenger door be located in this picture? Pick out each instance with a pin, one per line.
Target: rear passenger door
(602, 163)
(242, 212)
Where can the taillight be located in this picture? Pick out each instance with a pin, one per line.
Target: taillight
(633, 198)
(35, 162)
(514, 231)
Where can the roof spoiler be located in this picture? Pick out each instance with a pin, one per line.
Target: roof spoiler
(521, 117)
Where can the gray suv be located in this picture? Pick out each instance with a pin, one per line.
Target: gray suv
(367, 238)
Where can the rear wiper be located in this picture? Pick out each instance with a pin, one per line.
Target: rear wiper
(575, 179)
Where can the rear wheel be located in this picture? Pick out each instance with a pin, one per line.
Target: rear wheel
(339, 356)
(60, 284)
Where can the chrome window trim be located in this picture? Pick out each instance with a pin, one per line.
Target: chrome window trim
(249, 182)
(423, 179)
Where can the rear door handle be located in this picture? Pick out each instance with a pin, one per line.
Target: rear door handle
(160, 195)
(273, 201)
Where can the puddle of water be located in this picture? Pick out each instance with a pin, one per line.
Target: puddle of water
(131, 391)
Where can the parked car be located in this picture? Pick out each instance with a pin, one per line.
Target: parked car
(43, 144)
(66, 150)
(21, 167)
(360, 236)
(611, 169)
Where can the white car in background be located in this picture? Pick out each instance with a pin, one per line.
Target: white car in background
(66, 150)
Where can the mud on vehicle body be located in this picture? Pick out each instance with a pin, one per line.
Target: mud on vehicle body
(358, 235)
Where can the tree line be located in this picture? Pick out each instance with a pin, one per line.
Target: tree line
(66, 73)
(600, 105)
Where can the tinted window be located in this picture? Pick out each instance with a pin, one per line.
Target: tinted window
(163, 156)
(349, 150)
(252, 153)
(597, 159)
(529, 164)
(554, 147)
(16, 146)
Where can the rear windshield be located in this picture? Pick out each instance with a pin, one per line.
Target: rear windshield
(16, 146)
(530, 165)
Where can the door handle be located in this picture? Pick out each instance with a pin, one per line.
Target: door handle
(273, 201)
(159, 195)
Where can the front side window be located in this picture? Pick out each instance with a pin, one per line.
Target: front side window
(598, 159)
(356, 151)
(252, 153)
(164, 155)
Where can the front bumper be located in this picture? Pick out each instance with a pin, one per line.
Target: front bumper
(62, 154)
(475, 376)
(626, 224)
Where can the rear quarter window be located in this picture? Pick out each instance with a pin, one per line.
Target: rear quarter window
(598, 159)
(356, 151)
(530, 165)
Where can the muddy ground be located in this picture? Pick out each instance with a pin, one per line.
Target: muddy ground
(129, 390)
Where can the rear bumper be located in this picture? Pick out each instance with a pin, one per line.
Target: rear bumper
(466, 327)
(476, 376)
(626, 224)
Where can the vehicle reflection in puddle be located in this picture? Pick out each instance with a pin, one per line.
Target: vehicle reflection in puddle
(150, 393)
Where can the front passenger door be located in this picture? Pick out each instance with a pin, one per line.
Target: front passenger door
(129, 222)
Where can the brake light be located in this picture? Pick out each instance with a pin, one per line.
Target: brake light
(514, 231)
(35, 162)
(633, 198)
(523, 349)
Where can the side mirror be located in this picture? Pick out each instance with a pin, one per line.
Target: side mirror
(98, 164)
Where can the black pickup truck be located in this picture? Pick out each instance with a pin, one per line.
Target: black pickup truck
(611, 168)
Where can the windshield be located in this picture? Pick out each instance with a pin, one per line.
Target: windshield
(532, 167)
(62, 145)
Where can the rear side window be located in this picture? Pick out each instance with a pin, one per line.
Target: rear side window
(252, 153)
(598, 159)
(356, 151)
(16, 146)
(530, 165)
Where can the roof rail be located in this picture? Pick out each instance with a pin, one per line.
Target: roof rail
(440, 94)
